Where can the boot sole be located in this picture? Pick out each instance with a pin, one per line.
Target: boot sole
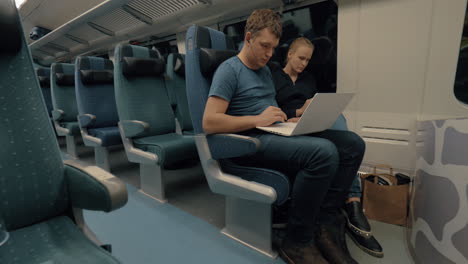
(285, 257)
(368, 251)
(355, 229)
(279, 226)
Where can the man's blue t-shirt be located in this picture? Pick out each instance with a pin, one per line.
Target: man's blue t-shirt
(249, 92)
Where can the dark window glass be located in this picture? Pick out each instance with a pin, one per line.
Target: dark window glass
(317, 22)
(166, 47)
(461, 80)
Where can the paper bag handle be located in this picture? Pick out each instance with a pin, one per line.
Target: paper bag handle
(383, 166)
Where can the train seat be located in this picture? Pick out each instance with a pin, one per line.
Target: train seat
(175, 84)
(65, 111)
(250, 192)
(43, 75)
(42, 198)
(94, 87)
(147, 122)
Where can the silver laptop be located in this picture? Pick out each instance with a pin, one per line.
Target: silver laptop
(321, 114)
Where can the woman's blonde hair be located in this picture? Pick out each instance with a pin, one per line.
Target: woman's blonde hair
(301, 41)
(264, 18)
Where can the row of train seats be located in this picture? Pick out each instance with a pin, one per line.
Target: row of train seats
(134, 100)
(138, 98)
(139, 101)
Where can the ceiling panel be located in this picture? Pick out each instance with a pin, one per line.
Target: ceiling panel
(159, 8)
(65, 42)
(117, 20)
(87, 33)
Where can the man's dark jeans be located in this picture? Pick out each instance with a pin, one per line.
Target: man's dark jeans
(321, 167)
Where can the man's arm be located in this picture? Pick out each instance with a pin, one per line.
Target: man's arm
(215, 119)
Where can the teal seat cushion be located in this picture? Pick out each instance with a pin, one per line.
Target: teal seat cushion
(110, 136)
(189, 132)
(172, 149)
(72, 126)
(58, 240)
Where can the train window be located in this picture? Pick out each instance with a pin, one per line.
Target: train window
(461, 79)
(167, 47)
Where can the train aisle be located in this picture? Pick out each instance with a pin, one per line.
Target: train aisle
(186, 230)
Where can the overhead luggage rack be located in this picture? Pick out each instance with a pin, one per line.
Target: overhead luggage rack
(107, 24)
(116, 21)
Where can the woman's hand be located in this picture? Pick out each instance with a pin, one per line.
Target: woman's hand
(301, 110)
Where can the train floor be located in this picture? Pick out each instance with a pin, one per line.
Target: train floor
(186, 229)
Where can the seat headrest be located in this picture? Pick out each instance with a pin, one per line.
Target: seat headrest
(64, 79)
(43, 72)
(44, 81)
(97, 76)
(323, 50)
(142, 67)
(10, 27)
(44, 77)
(179, 65)
(210, 59)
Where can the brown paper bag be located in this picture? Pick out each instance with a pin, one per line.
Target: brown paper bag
(385, 203)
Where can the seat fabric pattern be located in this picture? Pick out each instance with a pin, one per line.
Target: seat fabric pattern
(99, 100)
(57, 240)
(197, 93)
(268, 177)
(63, 96)
(29, 148)
(73, 127)
(33, 188)
(175, 85)
(44, 80)
(96, 99)
(172, 149)
(142, 98)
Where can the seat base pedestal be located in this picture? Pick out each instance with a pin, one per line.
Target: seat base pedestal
(101, 156)
(71, 146)
(249, 223)
(151, 182)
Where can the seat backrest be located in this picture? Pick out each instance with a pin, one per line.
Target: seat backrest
(198, 84)
(43, 74)
(62, 83)
(323, 64)
(32, 185)
(94, 87)
(175, 84)
(140, 90)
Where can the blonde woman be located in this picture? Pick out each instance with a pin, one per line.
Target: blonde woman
(294, 89)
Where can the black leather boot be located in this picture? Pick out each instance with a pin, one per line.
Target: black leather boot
(330, 239)
(356, 220)
(293, 253)
(369, 245)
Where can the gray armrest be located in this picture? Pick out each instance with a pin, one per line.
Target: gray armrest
(231, 185)
(57, 114)
(224, 146)
(133, 128)
(86, 120)
(93, 188)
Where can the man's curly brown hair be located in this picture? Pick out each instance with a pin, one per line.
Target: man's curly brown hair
(264, 18)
